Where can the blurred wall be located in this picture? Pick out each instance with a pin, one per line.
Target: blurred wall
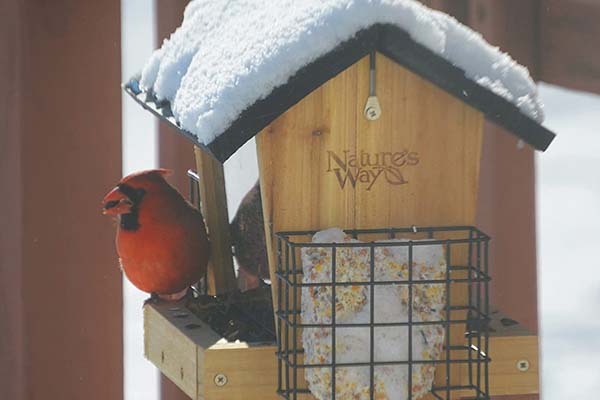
(60, 151)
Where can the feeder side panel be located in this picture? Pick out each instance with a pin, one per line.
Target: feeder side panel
(323, 164)
(171, 350)
(249, 372)
(514, 370)
(505, 377)
(431, 141)
(292, 155)
(428, 146)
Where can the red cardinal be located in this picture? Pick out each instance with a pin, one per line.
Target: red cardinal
(161, 238)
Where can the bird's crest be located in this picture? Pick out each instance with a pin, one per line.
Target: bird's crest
(149, 173)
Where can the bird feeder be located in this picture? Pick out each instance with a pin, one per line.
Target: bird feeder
(367, 118)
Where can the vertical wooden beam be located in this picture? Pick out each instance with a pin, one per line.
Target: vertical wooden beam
(174, 151)
(459, 9)
(506, 208)
(60, 150)
(569, 33)
(507, 190)
(221, 275)
(13, 380)
(513, 26)
(507, 178)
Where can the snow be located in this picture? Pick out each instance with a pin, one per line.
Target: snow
(568, 216)
(141, 380)
(331, 235)
(227, 55)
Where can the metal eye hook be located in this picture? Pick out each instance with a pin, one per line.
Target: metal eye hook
(372, 109)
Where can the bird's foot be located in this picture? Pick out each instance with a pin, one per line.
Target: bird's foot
(262, 283)
(174, 296)
(156, 298)
(153, 299)
(247, 280)
(190, 296)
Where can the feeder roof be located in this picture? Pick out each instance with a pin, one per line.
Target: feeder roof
(234, 67)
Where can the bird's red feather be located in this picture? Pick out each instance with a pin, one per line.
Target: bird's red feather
(169, 249)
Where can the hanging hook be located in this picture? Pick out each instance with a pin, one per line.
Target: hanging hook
(372, 108)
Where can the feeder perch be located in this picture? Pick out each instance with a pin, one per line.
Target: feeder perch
(378, 133)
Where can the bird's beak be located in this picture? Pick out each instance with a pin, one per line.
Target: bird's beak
(115, 203)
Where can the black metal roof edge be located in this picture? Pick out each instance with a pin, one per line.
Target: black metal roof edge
(161, 109)
(396, 44)
(391, 41)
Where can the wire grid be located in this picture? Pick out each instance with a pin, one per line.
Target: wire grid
(473, 319)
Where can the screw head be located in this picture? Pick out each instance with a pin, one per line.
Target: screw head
(220, 380)
(372, 109)
(523, 365)
(372, 113)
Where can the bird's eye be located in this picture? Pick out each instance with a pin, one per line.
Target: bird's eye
(134, 195)
(111, 204)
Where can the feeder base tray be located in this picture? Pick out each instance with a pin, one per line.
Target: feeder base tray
(206, 366)
(202, 362)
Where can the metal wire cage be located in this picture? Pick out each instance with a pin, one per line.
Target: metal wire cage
(458, 368)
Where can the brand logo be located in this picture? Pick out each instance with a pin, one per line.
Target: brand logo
(364, 168)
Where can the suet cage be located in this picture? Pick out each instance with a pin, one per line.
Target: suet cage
(465, 257)
(460, 326)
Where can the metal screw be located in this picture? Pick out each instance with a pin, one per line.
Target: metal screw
(372, 113)
(523, 365)
(316, 133)
(220, 380)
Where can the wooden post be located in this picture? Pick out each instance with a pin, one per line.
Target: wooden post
(459, 9)
(13, 377)
(507, 191)
(568, 46)
(506, 207)
(60, 151)
(221, 276)
(174, 151)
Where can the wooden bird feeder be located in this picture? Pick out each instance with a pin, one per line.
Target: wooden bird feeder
(382, 137)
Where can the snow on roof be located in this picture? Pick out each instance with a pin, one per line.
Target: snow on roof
(229, 54)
